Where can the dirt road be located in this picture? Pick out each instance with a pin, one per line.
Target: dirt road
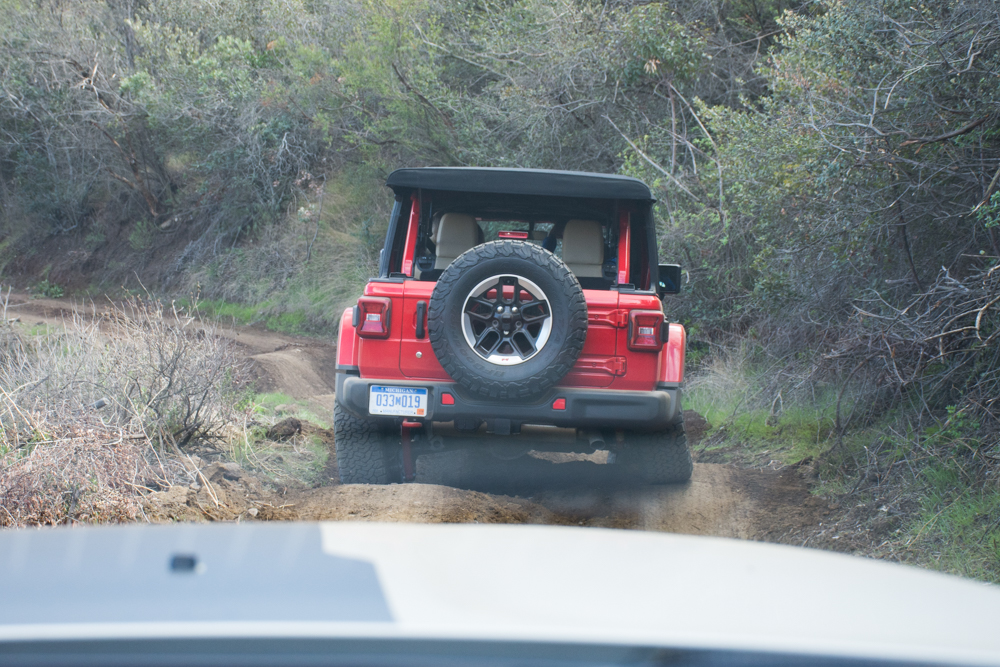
(720, 500)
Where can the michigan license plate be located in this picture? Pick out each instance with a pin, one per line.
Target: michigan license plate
(398, 401)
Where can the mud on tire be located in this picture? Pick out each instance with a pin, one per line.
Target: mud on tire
(367, 453)
(657, 458)
(546, 365)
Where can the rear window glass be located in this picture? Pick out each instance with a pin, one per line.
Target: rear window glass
(492, 228)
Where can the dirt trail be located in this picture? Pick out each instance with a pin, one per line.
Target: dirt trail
(300, 367)
(720, 500)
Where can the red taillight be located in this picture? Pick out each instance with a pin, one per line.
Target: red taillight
(510, 234)
(373, 316)
(645, 330)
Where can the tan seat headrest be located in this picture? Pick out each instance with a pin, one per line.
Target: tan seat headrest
(456, 233)
(583, 248)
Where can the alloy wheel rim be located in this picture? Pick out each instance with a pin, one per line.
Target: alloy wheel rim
(506, 319)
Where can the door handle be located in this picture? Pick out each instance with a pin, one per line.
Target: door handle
(421, 314)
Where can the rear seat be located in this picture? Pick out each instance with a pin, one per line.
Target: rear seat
(456, 233)
(453, 233)
(583, 252)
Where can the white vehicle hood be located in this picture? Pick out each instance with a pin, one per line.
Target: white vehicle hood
(485, 583)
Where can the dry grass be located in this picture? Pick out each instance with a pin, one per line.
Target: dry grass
(96, 411)
(84, 474)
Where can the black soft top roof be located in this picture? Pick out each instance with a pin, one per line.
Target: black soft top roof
(520, 182)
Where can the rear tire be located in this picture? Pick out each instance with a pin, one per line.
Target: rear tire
(657, 458)
(367, 453)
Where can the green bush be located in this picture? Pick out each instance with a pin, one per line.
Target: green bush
(49, 289)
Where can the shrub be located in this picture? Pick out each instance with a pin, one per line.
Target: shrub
(89, 408)
(49, 289)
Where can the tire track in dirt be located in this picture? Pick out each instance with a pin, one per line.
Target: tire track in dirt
(720, 500)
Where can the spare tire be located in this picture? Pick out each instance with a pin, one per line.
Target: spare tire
(507, 320)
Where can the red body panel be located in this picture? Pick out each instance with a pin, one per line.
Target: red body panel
(624, 247)
(595, 367)
(426, 366)
(380, 358)
(347, 340)
(641, 366)
(409, 248)
(672, 357)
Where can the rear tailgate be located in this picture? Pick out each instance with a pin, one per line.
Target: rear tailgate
(598, 364)
(416, 357)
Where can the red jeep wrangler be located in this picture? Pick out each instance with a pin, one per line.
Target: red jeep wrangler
(515, 310)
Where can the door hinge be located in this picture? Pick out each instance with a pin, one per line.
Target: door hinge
(614, 318)
(617, 365)
(610, 365)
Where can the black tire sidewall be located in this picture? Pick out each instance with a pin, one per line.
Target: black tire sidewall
(568, 311)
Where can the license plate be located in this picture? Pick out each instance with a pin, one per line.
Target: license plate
(398, 401)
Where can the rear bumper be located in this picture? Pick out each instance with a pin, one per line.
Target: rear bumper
(585, 408)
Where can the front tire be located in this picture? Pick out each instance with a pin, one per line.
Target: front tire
(662, 457)
(366, 452)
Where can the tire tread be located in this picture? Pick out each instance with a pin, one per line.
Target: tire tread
(577, 321)
(661, 457)
(363, 449)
